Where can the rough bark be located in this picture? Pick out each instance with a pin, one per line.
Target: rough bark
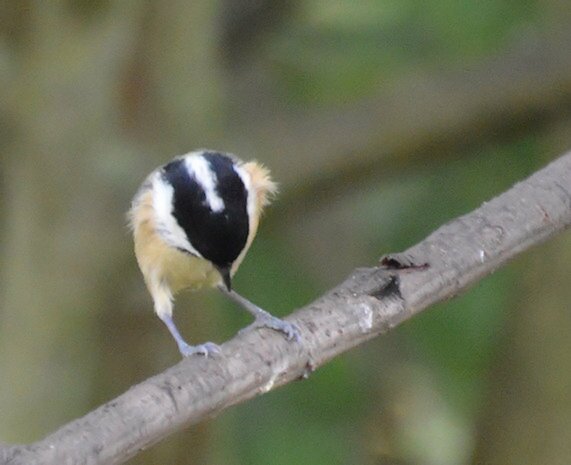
(370, 302)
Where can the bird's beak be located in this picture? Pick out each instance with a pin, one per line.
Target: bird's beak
(226, 278)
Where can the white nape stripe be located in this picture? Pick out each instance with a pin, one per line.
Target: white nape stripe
(167, 226)
(245, 177)
(199, 168)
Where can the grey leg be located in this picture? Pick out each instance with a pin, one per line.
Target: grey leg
(206, 349)
(263, 319)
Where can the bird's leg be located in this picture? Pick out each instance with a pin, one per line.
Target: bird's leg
(263, 319)
(162, 297)
(206, 349)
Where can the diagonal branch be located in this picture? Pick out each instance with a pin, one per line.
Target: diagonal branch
(370, 302)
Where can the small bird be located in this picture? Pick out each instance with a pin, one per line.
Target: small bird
(193, 221)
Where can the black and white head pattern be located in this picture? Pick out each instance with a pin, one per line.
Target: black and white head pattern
(201, 205)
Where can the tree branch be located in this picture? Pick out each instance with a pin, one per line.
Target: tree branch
(370, 302)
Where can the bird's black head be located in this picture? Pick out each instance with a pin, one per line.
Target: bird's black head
(210, 204)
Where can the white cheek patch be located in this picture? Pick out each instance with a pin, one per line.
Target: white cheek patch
(245, 177)
(167, 227)
(199, 168)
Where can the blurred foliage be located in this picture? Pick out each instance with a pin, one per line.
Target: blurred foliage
(336, 50)
(93, 95)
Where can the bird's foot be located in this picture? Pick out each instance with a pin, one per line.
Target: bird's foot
(265, 320)
(207, 349)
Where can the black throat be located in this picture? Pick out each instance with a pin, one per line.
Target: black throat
(219, 236)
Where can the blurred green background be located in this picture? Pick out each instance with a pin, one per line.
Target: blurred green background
(381, 119)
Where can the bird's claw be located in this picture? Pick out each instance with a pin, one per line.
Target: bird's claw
(290, 330)
(207, 349)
